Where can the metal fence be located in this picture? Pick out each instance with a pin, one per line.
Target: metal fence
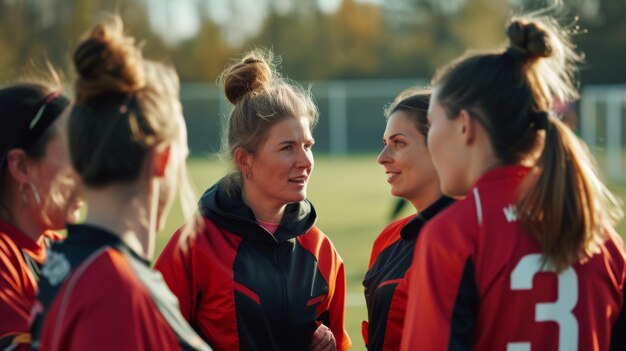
(351, 114)
(351, 118)
(603, 126)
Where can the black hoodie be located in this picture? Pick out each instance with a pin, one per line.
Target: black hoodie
(243, 288)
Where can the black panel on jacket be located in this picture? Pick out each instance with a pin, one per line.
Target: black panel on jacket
(465, 311)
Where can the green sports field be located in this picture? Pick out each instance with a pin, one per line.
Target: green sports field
(352, 200)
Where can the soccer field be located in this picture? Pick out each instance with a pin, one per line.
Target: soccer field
(352, 200)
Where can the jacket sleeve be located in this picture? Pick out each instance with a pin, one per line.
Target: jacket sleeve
(337, 310)
(332, 310)
(175, 264)
(434, 283)
(17, 296)
(387, 237)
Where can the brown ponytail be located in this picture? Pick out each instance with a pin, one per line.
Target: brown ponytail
(562, 203)
(565, 205)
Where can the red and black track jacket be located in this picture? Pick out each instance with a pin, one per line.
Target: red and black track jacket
(243, 288)
(478, 281)
(386, 279)
(96, 293)
(21, 259)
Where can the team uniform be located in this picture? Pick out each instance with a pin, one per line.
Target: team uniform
(21, 259)
(96, 293)
(243, 288)
(386, 279)
(478, 282)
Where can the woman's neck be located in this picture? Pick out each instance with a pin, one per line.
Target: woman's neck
(125, 212)
(426, 197)
(263, 210)
(21, 215)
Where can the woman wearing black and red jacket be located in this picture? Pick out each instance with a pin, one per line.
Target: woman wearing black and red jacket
(38, 195)
(412, 176)
(259, 275)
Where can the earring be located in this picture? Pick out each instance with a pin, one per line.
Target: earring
(248, 175)
(35, 193)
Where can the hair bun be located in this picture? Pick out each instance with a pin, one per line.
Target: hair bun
(250, 74)
(108, 62)
(529, 39)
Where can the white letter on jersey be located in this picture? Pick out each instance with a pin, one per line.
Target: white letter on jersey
(511, 213)
(559, 311)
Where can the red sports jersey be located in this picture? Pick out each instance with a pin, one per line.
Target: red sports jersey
(478, 283)
(20, 261)
(243, 288)
(97, 294)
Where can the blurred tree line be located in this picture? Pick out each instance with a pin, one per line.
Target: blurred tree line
(360, 39)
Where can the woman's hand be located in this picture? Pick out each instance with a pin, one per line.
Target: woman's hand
(323, 339)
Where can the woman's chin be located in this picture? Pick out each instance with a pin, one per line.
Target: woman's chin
(74, 213)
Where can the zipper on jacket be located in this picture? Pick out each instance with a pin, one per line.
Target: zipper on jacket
(283, 285)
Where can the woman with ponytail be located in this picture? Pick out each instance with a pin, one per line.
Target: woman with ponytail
(38, 195)
(128, 144)
(260, 275)
(529, 259)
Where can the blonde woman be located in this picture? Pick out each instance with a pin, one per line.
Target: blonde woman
(260, 275)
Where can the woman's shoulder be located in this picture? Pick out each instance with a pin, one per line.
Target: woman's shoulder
(315, 239)
(454, 225)
(613, 246)
(106, 267)
(394, 228)
(104, 290)
(391, 232)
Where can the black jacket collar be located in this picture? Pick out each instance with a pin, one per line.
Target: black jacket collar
(232, 214)
(89, 235)
(413, 227)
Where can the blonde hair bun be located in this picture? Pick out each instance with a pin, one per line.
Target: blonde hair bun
(251, 74)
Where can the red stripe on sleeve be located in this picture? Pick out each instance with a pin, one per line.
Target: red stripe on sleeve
(246, 291)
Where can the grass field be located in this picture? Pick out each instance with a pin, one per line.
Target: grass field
(353, 202)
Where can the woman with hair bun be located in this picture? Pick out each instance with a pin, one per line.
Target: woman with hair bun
(38, 195)
(529, 259)
(128, 144)
(260, 275)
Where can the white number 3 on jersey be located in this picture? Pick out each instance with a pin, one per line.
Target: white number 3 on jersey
(559, 311)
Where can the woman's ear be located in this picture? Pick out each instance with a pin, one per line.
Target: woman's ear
(18, 165)
(467, 125)
(243, 160)
(161, 160)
